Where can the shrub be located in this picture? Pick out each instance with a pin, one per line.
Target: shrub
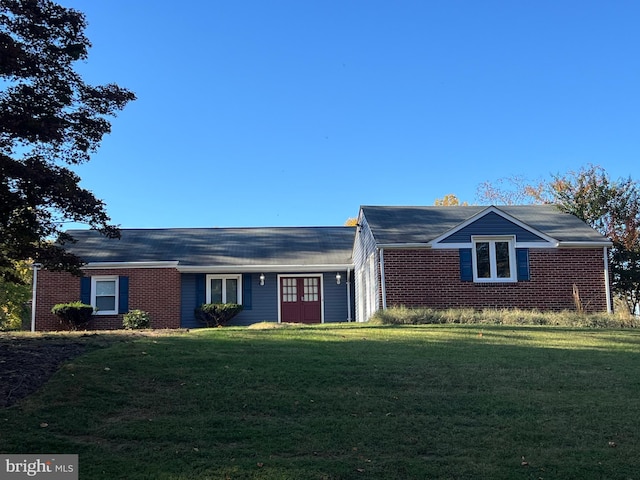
(217, 314)
(73, 315)
(136, 319)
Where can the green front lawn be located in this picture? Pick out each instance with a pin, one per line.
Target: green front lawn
(345, 401)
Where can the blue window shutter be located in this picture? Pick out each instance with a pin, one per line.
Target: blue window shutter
(466, 265)
(85, 290)
(123, 294)
(201, 289)
(246, 291)
(522, 262)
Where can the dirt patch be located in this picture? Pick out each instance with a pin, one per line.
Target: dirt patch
(25, 365)
(27, 361)
(272, 325)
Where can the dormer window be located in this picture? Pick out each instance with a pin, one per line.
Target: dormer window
(494, 259)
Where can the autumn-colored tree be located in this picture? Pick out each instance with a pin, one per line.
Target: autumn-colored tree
(610, 206)
(448, 200)
(613, 208)
(514, 190)
(351, 222)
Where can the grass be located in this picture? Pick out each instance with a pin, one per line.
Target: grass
(508, 316)
(345, 402)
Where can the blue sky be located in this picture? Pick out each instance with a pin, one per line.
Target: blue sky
(295, 112)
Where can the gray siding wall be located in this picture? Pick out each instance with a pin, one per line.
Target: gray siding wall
(366, 284)
(492, 224)
(364, 245)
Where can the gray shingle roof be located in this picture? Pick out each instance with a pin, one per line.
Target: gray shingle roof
(220, 246)
(414, 224)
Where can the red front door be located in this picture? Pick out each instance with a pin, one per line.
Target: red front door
(300, 300)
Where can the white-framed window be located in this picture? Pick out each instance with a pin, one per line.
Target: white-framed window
(104, 294)
(224, 289)
(494, 259)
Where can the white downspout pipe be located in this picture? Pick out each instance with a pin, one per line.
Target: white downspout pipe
(35, 267)
(383, 287)
(349, 319)
(607, 283)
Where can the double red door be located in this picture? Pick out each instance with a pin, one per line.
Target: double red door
(300, 299)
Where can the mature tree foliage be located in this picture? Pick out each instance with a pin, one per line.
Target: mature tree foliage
(14, 297)
(613, 208)
(514, 190)
(49, 118)
(448, 201)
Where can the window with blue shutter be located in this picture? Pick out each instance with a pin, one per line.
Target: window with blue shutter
(85, 290)
(246, 291)
(123, 294)
(104, 293)
(522, 265)
(522, 262)
(466, 265)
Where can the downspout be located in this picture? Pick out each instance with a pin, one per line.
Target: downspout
(349, 319)
(35, 267)
(383, 287)
(607, 284)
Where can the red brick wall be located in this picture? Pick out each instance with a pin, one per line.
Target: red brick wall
(154, 290)
(431, 278)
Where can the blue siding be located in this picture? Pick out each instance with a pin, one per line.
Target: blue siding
(335, 298)
(492, 224)
(201, 288)
(188, 301)
(264, 299)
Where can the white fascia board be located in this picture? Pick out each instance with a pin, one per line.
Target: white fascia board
(537, 245)
(110, 265)
(444, 246)
(450, 246)
(604, 243)
(263, 268)
(497, 211)
(455, 246)
(391, 246)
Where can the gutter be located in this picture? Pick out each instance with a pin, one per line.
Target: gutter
(403, 245)
(109, 265)
(603, 243)
(263, 268)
